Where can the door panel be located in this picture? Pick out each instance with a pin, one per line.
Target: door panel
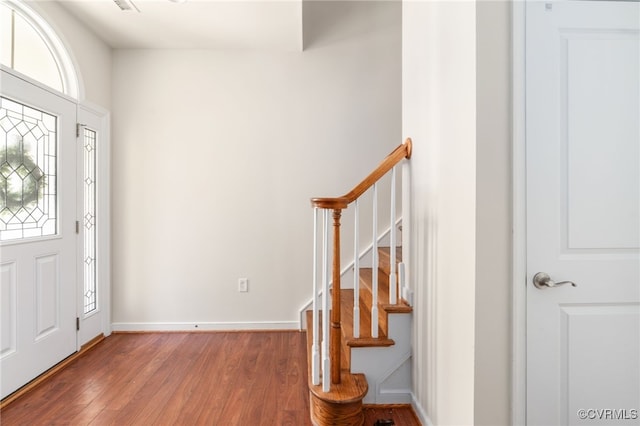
(9, 309)
(583, 210)
(47, 288)
(601, 119)
(37, 229)
(614, 366)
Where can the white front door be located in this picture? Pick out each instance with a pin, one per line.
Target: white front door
(37, 231)
(583, 212)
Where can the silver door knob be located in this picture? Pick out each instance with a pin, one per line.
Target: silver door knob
(543, 280)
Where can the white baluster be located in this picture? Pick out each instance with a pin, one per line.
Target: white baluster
(326, 361)
(393, 294)
(374, 283)
(315, 357)
(402, 280)
(356, 276)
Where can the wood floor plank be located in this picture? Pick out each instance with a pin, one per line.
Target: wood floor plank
(193, 396)
(158, 388)
(401, 415)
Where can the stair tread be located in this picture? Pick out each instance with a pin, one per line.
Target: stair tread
(366, 277)
(387, 251)
(352, 387)
(365, 339)
(384, 256)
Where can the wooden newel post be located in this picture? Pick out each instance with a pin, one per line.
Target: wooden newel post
(335, 308)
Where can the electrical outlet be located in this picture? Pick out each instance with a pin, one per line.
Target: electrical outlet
(243, 285)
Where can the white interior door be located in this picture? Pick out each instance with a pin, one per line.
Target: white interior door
(583, 212)
(37, 231)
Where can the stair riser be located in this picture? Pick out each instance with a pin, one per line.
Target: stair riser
(377, 364)
(324, 413)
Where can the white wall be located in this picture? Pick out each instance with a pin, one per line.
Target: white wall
(216, 154)
(456, 107)
(439, 113)
(91, 54)
(493, 218)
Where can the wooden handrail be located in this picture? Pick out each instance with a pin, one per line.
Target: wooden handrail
(398, 154)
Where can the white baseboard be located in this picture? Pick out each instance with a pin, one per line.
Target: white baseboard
(422, 415)
(203, 326)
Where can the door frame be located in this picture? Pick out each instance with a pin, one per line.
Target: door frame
(519, 216)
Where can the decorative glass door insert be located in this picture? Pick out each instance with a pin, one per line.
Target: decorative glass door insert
(28, 171)
(89, 219)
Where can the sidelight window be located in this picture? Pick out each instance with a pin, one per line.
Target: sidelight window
(89, 219)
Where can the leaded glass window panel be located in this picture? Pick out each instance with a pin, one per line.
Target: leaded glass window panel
(28, 171)
(89, 219)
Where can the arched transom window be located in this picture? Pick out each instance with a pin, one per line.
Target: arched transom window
(29, 46)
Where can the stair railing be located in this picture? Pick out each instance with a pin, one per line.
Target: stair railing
(330, 356)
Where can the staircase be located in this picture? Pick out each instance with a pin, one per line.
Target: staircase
(373, 358)
(366, 342)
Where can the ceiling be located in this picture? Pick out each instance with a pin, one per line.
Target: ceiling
(194, 24)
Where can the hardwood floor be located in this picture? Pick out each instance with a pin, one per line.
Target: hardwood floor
(401, 415)
(221, 378)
